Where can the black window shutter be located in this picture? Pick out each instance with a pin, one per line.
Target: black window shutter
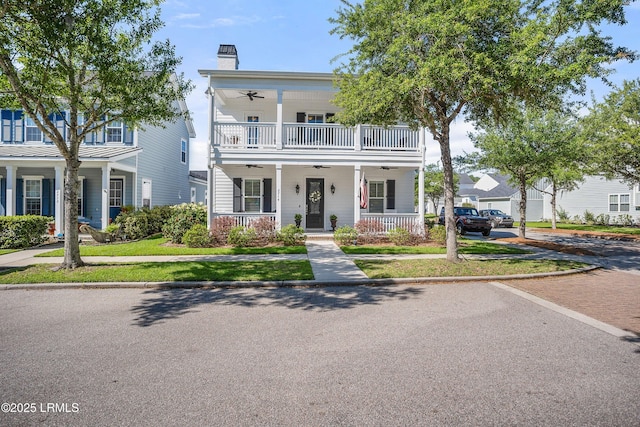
(391, 194)
(46, 198)
(266, 197)
(329, 117)
(237, 194)
(301, 117)
(19, 197)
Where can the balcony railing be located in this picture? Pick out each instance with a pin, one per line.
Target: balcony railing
(412, 222)
(315, 136)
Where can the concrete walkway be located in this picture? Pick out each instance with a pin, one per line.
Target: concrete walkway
(330, 264)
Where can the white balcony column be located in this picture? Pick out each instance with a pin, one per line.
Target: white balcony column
(356, 194)
(278, 195)
(279, 122)
(106, 179)
(357, 139)
(58, 207)
(10, 208)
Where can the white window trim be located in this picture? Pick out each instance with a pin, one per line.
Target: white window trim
(110, 126)
(124, 189)
(145, 180)
(244, 194)
(383, 198)
(192, 194)
(185, 151)
(25, 122)
(618, 203)
(26, 178)
(80, 193)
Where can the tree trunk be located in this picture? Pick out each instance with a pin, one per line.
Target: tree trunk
(71, 246)
(523, 210)
(450, 223)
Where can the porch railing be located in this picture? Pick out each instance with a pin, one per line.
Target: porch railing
(411, 222)
(246, 219)
(315, 136)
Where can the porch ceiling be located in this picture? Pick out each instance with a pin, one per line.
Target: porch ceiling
(271, 96)
(51, 152)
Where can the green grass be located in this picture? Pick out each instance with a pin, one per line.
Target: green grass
(585, 227)
(466, 247)
(7, 251)
(156, 246)
(163, 272)
(385, 269)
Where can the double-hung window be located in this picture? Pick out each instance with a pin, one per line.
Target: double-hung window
(252, 195)
(114, 131)
(33, 197)
(619, 202)
(376, 196)
(183, 151)
(32, 132)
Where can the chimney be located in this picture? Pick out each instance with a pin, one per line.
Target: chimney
(227, 57)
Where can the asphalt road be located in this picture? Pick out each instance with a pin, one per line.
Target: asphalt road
(455, 354)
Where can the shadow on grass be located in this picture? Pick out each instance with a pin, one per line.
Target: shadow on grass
(161, 305)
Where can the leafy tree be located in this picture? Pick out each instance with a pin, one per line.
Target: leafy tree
(532, 146)
(612, 130)
(94, 60)
(426, 62)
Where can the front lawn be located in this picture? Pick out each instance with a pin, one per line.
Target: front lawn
(465, 247)
(163, 272)
(158, 245)
(386, 269)
(585, 227)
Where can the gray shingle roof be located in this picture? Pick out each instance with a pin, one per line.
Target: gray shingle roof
(51, 152)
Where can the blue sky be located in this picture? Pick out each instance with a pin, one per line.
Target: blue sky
(290, 35)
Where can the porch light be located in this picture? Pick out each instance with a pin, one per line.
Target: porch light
(333, 189)
(297, 188)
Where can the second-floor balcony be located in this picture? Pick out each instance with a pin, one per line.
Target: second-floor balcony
(312, 136)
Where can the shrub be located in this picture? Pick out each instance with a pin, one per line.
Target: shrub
(345, 235)
(143, 222)
(290, 235)
(197, 237)
(624, 220)
(265, 228)
(23, 231)
(183, 217)
(602, 219)
(400, 237)
(241, 236)
(438, 234)
(589, 217)
(220, 228)
(370, 231)
(562, 214)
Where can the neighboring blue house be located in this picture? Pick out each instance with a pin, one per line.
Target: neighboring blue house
(198, 191)
(121, 166)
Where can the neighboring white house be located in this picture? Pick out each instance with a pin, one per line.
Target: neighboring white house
(274, 151)
(121, 166)
(596, 194)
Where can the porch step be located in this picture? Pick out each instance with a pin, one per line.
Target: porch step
(325, 235)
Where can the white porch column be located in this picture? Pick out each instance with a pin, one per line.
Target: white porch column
(211, 177)
(279, 122)
(106, 178)
(278, 195)
(11, 185)
(356, 194)
(58, 207)
(423, 150)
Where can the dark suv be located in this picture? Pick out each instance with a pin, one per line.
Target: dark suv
(468, 219)
(497, 218)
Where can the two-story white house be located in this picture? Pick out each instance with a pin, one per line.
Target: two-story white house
(121, 166)
(275, 151)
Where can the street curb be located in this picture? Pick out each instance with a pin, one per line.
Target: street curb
(288, 283)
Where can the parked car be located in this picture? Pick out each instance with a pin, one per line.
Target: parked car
(468, 219)
(497, 218)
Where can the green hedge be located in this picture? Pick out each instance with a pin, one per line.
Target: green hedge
(23, 231)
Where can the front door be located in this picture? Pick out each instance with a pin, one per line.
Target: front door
(116, 197)
(315, 203)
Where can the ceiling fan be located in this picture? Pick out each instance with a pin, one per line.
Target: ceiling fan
(320, 167)
(386, 168)
(253, 166)
(252, 94)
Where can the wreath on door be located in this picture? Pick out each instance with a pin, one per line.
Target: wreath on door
(315, 196)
